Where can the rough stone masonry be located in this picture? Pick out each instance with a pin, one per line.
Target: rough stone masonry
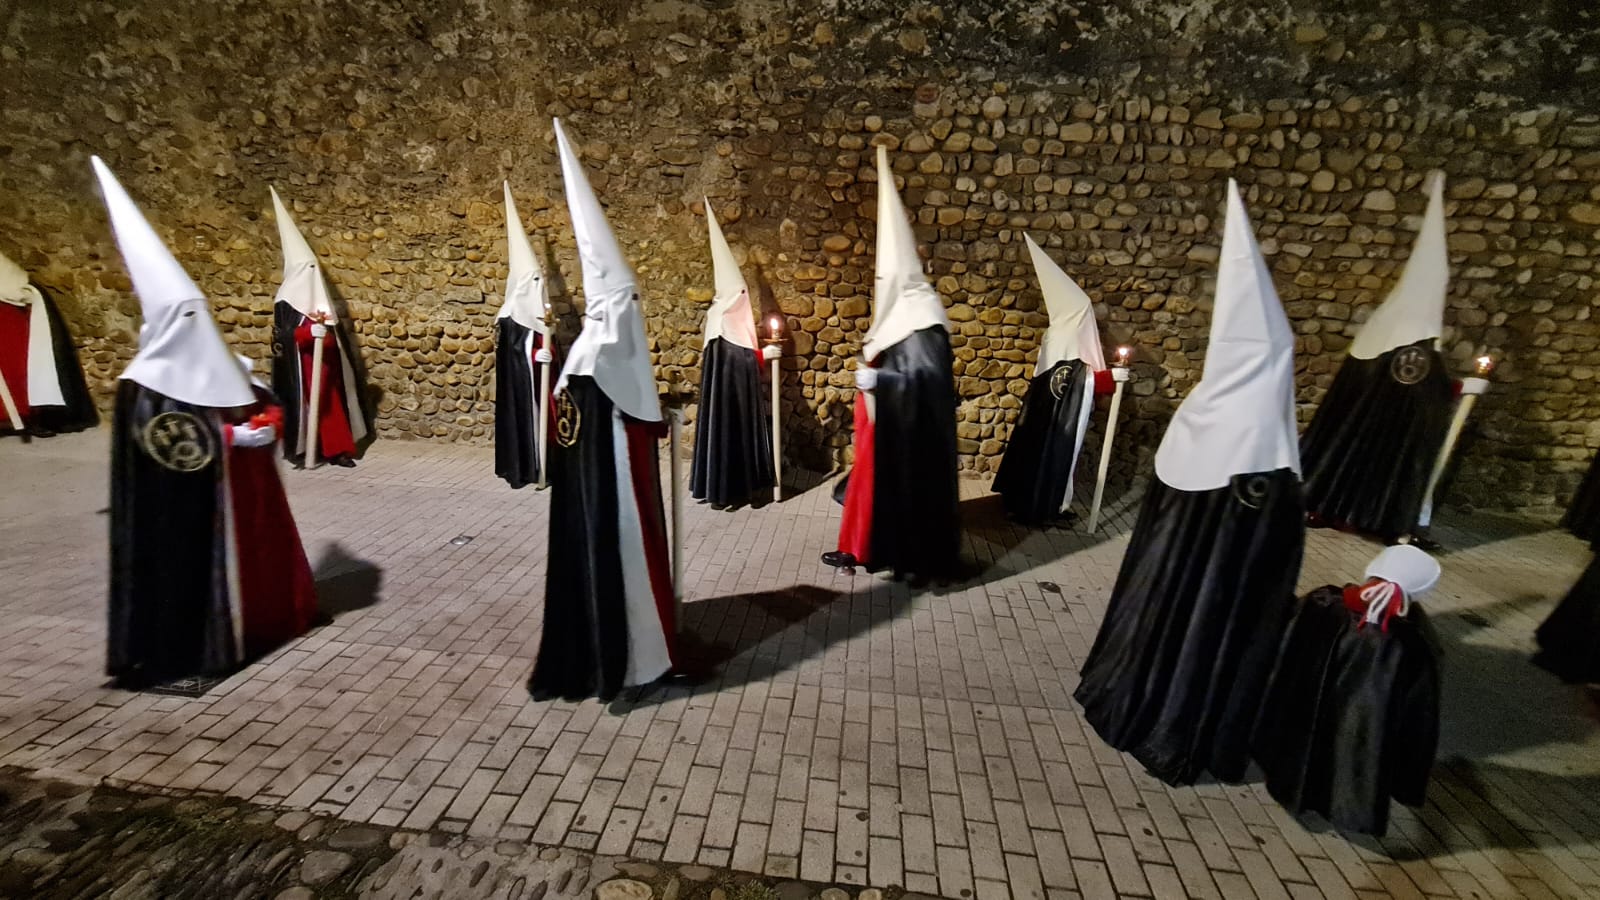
(1104, 129)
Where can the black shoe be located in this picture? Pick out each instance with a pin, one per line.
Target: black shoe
(839, 559)
(344, 461)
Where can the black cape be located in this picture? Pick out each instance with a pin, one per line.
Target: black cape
(287, 374)
(1569, 640)
(1583, 516)
(1351, 718)
(732, 434)
(1369, 449)
(77, 411)
(583, 650)
(170, 614)
(516, 409)
(1035, 475)
(1179, 667)
(916, 523)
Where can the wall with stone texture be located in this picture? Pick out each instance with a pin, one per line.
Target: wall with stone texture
(1105, 130)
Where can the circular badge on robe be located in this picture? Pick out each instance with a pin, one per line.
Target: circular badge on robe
(1061, 382)
(1410, 365)
(568, 420)
(178, 441)
(1252, 490)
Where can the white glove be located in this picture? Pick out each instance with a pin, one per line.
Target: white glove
(1120, 373)
(247, 436)
(867, 378)
(543, 356)
(771, 352)
(1472, 385)
(318, 330)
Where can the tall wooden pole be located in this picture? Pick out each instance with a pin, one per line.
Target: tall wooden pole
(777, 435)
(1105, 447)
(10, 404)
(1471, 388)
(544, 419)
(313, 416)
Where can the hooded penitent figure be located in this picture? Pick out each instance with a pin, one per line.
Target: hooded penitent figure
(43, 386)
(1207, 583)
(1351, 714)
(1375, 437)
(608, 603)
(1035, 477)
(303, 314)
(900, 502)
(206, 567)
(1583, 514)
(733, 436)
(522, 342)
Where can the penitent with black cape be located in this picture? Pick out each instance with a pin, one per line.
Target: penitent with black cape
(609, 614)
(1374, 439)
(41, 381)
(523, 359)
(1181, 660)
(900, 502)
(732, 431)
(1036, 474)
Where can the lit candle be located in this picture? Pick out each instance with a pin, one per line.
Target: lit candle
(777, 325)
(1485, 365)
(1122, 355)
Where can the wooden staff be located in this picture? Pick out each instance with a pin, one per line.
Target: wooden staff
(314, 412)
(10, 404)
(1119, 374)
(775, 344)
(1471, 389)
(676, 468)
(544, 417)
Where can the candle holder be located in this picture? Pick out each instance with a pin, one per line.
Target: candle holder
(773, 353)
(1472, 387)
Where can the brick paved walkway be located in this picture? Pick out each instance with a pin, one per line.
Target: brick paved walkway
(860, 731)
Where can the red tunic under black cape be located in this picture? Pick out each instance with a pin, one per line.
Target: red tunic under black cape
(584, 648)
(1371, 446)
(290, 364)
(1351, 717)
(732, 431)
(1181, 661)
(77, 410)
(170, 614)
(1583, 515)
(516, 410)
(1035, 474)
(901, 505)
(1569, 640)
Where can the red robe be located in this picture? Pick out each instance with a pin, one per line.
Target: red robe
(333, 420)
(277, 593)
(14, 323)
(643, 439)
(855, 528)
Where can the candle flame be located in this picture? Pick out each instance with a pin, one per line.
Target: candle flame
(1122, 354)
(1485, 364)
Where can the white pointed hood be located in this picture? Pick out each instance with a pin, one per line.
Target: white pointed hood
(1073, 332)
(730, 316)
(1240, 417)
(527, 293)
(303, 286)
(181, 353)
(14, 286)
(612, 347)
(903, 302)
(1414, 309)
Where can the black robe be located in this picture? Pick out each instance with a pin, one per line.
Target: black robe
(1035, 474)
(732, 434)
(1371, 446)
(1351, 718)
(77, 410)
(516, 409)
(287, 374)
(1583, 515)
(584, 648)
(1569, 640)
(170, 610)
(1179, 667)
(916, 522)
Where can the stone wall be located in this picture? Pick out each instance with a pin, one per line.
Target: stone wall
(1105, 130)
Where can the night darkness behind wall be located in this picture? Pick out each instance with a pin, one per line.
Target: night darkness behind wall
(1106, 130)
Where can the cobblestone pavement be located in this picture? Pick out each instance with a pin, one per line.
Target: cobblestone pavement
(64, 840)
(859, 731)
